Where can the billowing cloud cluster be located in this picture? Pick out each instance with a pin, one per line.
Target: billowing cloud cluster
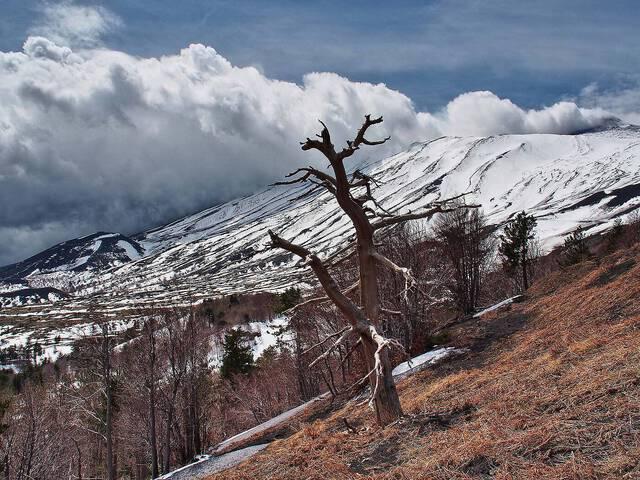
(483, 113)
(95, 139)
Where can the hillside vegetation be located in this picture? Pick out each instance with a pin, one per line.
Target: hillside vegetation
(548, 389)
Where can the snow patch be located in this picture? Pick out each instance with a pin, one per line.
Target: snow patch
(498, 305)
(266, 334)
(206, 465)
(130, 250)
(283, 417)
(423, 361)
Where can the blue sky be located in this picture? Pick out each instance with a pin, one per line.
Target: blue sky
(123, 115)
(533, 52)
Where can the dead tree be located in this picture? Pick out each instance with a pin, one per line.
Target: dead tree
(354, 196)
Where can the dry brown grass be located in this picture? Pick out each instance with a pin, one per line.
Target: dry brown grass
(549, 390)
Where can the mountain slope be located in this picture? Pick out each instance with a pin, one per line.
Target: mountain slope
(94, 252)
(565, 180)
(548, 389)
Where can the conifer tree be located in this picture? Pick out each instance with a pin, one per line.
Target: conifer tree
(516, 247)
(237, 356)
(287, 299)
(575, 247)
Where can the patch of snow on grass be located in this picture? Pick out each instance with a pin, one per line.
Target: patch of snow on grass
(200, 459)
(266, 334)
(503, 303)
(206, 465)
(269, 423)
(422, 361)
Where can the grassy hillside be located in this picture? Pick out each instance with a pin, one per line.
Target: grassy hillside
(548, 389)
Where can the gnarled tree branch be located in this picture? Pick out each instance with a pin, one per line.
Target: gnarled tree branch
(431, 209)
(321, 300)
(308, 172)
(324, 145)
(360, 139)
(409, 279)
(344, 304)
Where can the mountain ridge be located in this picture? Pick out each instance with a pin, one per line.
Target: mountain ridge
(588, 179)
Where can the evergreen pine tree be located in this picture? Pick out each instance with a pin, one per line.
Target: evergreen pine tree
(575, 247)
(516, 247)
(287, 299)
(237, 356)
(614, 235)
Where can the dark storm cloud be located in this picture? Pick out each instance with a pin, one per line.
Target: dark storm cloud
(95, 139)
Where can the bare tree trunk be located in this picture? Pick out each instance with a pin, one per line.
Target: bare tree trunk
(79, 458)
(152, 432)
(111, 473)
(6, 467)
(197, 440)
(387, 402)
(525, 276)
(153, 440)
(167, 444)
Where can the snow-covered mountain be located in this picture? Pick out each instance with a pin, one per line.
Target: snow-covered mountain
(33, 281)
(94, 252)
(565, 180)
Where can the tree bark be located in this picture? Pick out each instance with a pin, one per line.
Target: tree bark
(153, 440)
(152, 432)
(79, 458)
(167, 445)
(387, 402)
(109, 417)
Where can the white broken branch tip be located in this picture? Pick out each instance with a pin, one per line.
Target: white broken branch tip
(347, 331)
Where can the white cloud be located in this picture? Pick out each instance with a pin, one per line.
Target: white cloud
(624, 100)
(100, 140)
(483, 113)
(40, 47)
(66, 23)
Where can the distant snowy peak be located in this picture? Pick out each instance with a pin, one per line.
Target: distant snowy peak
(98, 251)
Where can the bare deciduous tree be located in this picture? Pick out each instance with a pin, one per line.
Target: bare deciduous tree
(176, 359)
(465, 241)
(92, 398)
(414, 320)
(354, 196)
